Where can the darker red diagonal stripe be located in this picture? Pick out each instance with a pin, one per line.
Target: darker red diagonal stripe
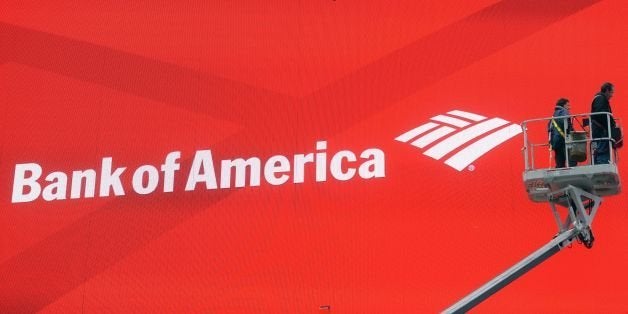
(157, 80)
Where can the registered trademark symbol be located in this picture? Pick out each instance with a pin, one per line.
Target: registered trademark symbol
(471, 168)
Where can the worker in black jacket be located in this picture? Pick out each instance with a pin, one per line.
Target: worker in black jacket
(600, 123)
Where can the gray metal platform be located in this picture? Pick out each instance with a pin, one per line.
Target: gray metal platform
(541, 179)
(602, 180)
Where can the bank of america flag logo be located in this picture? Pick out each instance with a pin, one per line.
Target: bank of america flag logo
(461, 135)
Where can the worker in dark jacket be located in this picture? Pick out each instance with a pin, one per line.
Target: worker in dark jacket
(558, 129)
(600, 123)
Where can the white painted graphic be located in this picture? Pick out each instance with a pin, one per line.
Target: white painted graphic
(474, 134)
(29, 183)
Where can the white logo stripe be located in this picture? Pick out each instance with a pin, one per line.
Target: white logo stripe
(467, 115)
(405, 137)
(449, 120)
(474, 151)
(449, 144)
(432, 136)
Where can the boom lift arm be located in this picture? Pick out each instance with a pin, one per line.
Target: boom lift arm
(582, 207)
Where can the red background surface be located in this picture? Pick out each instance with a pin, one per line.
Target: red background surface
(134, 81)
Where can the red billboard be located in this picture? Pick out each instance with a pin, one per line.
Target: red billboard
(295, 157)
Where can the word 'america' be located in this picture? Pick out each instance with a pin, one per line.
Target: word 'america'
(276, 170)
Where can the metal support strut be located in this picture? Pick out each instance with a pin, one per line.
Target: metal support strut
(581, 209)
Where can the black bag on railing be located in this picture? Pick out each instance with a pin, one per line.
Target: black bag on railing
(617, 137)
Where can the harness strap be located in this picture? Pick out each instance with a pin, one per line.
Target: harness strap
(558, 128)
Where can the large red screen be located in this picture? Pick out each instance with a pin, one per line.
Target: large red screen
(248, 157)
